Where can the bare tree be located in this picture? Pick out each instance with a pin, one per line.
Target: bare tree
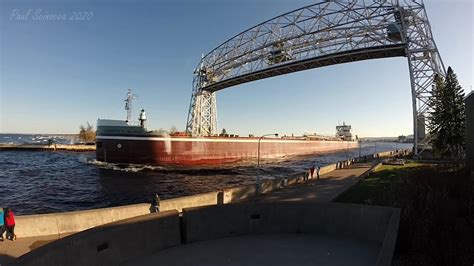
(173, 129)
(87, 133)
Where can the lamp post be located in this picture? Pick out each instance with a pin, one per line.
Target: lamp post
(376, 150)
(360, 148)
(258, 156)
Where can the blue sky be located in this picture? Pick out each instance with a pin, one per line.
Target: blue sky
(56, 75)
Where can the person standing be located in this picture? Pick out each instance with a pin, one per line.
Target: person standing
(311, 172)
(155, 204)
(2, 224)
(10, 224)
(318, 171)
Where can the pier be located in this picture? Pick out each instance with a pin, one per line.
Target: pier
(35, 231)
(53, 147)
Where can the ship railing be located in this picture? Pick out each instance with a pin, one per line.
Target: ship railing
(133, 123)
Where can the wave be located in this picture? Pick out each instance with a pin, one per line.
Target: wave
(134, 168)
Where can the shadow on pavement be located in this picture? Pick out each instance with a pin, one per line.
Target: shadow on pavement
(40, 243)
(5, 259)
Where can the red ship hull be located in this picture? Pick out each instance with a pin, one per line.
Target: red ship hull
(206, 151)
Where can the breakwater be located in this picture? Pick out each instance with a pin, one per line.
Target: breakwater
(52, 147)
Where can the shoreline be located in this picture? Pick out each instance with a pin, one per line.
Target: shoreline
(53, 147)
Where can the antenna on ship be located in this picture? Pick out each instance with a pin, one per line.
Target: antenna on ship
(128, 104)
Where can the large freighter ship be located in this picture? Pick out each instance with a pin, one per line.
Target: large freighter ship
(121, 141)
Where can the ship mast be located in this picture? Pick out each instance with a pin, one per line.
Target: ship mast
(128, 104)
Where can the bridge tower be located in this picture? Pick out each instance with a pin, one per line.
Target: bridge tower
(202, 115)
(318, 35)
(424, 63)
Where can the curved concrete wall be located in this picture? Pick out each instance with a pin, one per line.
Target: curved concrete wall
(127, 240)
(361, 222)
(211, 198)
(65, 223)
(345, 220)
(110, 244)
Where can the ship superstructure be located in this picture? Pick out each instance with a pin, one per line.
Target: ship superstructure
(344, 132)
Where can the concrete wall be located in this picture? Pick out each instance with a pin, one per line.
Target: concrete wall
(110, 244)
(65, 223)
(118, 242)
(211, 198)
(239, 193)
(361, 222)
(345, 220)
(470, 130)
(270, 185)
(296, 179)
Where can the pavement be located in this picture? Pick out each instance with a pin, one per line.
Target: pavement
(9, 250)
(272, 250)
(280, 249)
(325, 189)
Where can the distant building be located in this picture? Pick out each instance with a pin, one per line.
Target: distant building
(344, 132)
(470, 130)
(405, 139)
(402, 139)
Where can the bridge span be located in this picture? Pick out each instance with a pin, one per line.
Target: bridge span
(318, 35)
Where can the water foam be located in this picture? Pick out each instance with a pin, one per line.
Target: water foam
(134, 168)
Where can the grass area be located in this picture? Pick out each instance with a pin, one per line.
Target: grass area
(378, 184)
(437, 218)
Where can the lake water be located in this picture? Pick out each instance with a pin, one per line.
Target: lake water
(44, 182)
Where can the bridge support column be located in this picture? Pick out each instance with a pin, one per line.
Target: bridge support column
(203, 114)
(424, 64)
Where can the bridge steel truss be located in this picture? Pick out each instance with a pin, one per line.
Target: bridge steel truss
(318, 35)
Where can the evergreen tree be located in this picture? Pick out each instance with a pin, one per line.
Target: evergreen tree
(447, 125)
(456, 93)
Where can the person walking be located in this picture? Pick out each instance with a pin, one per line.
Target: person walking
(2, 224)
(10, 224)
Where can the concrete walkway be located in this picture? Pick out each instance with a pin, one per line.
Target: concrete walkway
(325, 189)
(271, 250)
(280, 249)
(9, 250)
(328, 187)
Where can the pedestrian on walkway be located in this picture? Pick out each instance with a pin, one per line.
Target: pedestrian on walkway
(155, 204)
(2, 224)
(10, 224)
(318, 171)
(311, 172)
